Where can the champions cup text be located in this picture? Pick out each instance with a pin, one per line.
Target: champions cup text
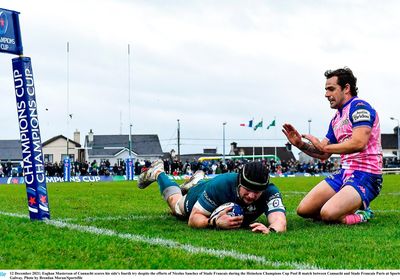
(32, 156)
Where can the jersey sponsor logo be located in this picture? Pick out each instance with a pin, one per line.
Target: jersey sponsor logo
(361, 115)
(250, 209)
(208, 199)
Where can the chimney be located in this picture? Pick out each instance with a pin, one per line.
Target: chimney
(90, 136)
(233, 148)
(77, 136)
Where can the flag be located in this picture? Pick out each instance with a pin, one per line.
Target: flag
(260, 124)
(10, 33)
(271, 124)
(249, 125)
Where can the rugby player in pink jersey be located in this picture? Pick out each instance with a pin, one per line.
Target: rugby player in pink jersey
(354, 133)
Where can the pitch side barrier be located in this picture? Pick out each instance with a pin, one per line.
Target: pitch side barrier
(92, 179)
(391, 170)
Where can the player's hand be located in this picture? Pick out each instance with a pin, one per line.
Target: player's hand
(292, 135)
(315, 141)
(225, 221)
(259, 227)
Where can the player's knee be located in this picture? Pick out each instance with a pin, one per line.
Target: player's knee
(303, 211)
(300, 211)
(327, 215)
(175, 202)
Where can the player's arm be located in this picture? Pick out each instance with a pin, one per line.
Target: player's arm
(277, 223)
(199, 218)
(275, 213)
(355, 144)
(362, 117)
(313, 149)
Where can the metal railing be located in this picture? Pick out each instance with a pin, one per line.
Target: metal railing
(391, 170)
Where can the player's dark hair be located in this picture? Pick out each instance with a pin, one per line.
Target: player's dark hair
(254, 176)
(344, 76)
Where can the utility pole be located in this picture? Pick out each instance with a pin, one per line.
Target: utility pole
(179, 140)
(398, 137)
(223, 141)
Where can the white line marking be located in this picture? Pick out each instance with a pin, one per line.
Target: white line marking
(115, 218)
(386, 211)
(391, 193)
(171, 244)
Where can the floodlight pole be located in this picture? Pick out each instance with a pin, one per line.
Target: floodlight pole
(68, 114)
(129, 170)
(129, 100)
(398, 137)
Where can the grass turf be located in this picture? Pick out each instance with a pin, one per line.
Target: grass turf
(114, 225)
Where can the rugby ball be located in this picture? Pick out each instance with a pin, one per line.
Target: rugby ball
(235, 211)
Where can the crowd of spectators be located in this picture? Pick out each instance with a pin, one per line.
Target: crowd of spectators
(8, 170)
(177, 167)
(391, 162)
(86, 168)
(218, 166)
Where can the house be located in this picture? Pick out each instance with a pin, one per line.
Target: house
(10, 151)
(115, 148)
(389, 144)
(55, 149)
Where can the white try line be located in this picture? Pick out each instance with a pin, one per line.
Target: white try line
(170, 244)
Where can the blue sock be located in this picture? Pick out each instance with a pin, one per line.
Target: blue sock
(164, 182)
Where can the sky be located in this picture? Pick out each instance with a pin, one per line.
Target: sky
(202, 62)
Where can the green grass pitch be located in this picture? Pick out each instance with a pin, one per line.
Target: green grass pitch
(114, 225)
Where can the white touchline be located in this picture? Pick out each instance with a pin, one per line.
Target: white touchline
(170, 244)
(114, 218)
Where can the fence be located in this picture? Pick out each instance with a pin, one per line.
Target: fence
(392, 170)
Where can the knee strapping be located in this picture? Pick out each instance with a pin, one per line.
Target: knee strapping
(171, 191)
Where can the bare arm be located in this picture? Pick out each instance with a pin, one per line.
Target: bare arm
(277, 223)
(199, 219)
(355, 144)
(313, 149)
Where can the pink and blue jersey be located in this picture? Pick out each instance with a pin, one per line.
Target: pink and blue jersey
(355, 113)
